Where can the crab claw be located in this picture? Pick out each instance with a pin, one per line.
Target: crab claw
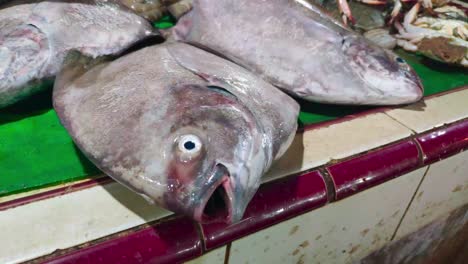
(374, 2)
(412, 14)
(426, 3)
(346, 12)
(395, 12)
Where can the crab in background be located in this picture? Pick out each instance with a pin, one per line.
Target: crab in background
(442, 37)
(397, 7)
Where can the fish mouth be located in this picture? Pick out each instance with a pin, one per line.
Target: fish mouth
(216, 205)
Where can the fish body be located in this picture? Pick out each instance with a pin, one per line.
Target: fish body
(35, 38)
(300, 49)
(187, 132)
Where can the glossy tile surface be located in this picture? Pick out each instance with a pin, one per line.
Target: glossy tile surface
(444, 142)
(318, 146)
(70, 220)
(213, 257)
(433, 112)
(341, 232)
(170, 241)
(274, 202)
(373, 168)
(444, 189)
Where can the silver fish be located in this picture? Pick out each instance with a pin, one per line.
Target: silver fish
(300, 49)
(35, 38)
(180, 126)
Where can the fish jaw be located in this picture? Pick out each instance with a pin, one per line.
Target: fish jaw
(223, 200)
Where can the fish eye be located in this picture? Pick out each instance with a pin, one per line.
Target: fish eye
(189, 144)
(400, 60)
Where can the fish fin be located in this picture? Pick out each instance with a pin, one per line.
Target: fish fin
(74, 66)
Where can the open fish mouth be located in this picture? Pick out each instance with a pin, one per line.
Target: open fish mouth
(216, 205)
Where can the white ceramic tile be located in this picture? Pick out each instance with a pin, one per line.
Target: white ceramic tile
(434, 112)
(341, 232)
(39, 228)
(319, 146)
(213, 257)
(444, 189)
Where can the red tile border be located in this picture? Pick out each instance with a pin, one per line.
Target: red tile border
(275, 202)
(375, 167)
(55, 192)
(444, 142)
(172, 241)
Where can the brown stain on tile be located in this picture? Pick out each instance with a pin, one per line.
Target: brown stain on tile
(457, 188)
(419, 196)
(296, 251)
(301, 259)
(376, 239)
(293, 230)
(380, 223)
(344, 228)
(445, 242)
(304, 244)
(364, 232)
(354, 249)
(318, 237)
(331, 230)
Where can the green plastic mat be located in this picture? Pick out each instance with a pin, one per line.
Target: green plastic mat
(36, 151)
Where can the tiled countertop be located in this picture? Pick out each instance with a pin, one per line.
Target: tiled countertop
(91, 220)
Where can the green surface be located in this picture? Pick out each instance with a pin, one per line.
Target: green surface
(36, 151)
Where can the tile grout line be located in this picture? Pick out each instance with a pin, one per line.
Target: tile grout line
(227, 253)
(201, 236)
(410, 203)
(398, 121)
(329, 183)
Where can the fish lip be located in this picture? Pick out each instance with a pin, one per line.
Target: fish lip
(227, 195)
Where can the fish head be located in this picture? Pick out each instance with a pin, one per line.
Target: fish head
(214, 153)
(382, 71)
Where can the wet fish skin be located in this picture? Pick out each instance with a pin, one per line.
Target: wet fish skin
(300, 49)
(35, 38)
(133, 118)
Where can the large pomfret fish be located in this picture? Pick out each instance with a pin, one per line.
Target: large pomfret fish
(35, 37)
(300, 49)
(186, 130)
